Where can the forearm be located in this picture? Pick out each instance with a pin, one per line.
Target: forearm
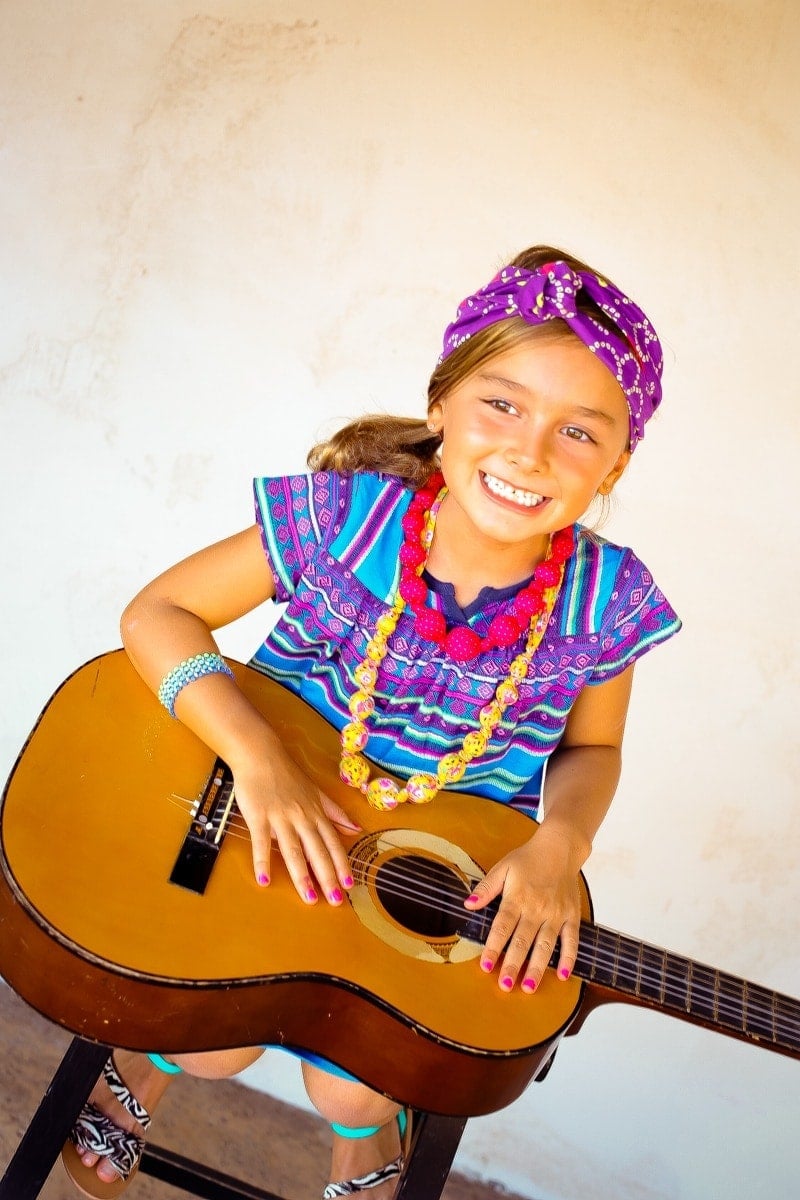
(579, 787)
(541, 904)
(172, 620)
(157, 636)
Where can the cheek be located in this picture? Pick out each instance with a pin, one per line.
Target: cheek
(463, 436)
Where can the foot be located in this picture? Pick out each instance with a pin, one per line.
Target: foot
(354, 1158)
(146, 1083)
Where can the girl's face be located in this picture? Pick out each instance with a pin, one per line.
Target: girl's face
(528, 441)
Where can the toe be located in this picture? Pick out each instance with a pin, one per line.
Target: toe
(106, 1172)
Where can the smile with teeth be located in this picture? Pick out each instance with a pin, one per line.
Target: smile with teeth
(516, 495)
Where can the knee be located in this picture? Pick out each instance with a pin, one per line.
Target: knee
(346, 1102)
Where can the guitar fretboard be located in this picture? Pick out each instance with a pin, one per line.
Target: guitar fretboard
(688, 989)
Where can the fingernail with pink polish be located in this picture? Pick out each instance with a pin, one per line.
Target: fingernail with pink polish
(564, 973)
(347, 881)
(336, 896)
(529, 985)
(311, 894)
(507, 982)
(472, 899)
(263, 879)
(487, 964)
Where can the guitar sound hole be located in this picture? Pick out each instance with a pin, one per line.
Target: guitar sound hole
(423, 896)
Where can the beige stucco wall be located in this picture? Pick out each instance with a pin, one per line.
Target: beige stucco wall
(225, 227)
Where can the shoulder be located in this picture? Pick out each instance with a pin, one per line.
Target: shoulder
(327, 496)
(322, 486)
(352, 520)
(603, 581)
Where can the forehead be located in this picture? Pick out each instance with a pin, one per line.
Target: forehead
(555, 368)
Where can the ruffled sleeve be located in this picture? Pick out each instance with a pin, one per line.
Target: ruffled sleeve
(294, 514)
(638, 616)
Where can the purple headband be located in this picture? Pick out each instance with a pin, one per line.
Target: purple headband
(633, 355)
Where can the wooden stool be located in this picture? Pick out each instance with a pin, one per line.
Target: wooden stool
(434, 1144)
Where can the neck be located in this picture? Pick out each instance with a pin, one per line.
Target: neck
(462, 556)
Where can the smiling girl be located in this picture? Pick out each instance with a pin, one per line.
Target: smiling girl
(447, 613)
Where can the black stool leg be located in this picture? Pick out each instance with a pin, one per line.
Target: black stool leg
(434, 1146)
(41, 1144)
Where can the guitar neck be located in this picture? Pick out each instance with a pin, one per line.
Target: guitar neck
(643, 974)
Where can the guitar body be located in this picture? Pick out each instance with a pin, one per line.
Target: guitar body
(96, 936)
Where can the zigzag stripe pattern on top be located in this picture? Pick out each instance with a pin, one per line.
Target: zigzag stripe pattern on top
(333, 541)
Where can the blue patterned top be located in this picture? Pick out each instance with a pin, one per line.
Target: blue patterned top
(332, 542)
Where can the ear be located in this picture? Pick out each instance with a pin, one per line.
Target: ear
(436, 417)
(610, 481)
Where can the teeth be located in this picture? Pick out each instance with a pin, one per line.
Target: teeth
(517, 495)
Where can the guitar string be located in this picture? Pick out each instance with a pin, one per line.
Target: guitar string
(635, 975)
(758, 1003)
(622, 970)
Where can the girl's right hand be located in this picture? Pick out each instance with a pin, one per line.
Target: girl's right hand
(279, 802)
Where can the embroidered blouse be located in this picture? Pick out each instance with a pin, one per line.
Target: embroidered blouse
(332, 542)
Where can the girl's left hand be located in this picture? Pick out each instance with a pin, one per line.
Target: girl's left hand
(540, 905)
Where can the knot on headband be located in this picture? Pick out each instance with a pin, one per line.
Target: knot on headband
(630, 350)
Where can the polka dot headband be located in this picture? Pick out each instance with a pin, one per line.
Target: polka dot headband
(632, 354)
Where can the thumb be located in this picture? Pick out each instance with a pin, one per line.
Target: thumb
(335, 813)
(490, 886)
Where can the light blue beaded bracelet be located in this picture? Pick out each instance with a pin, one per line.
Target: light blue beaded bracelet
(186, 672)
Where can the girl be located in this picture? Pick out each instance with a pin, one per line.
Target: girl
(446, 613)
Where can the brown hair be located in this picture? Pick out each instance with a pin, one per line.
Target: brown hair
(404, 446)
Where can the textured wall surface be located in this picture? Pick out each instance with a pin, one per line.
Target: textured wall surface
(225, 228)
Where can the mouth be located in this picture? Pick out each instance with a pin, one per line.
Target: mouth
(518, 496)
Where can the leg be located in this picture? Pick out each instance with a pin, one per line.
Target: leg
(105, 1145)
(366, 1133)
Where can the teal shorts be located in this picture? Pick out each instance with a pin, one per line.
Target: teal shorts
(316, 1060)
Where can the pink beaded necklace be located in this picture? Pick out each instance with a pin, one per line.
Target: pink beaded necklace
(462, 643)
(532, 605)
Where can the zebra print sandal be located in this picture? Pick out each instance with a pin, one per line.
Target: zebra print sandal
(373, 1179)
(96, 1132)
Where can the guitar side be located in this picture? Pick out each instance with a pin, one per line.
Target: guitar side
(95, 937)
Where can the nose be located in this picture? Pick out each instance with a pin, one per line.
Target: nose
(529, 449)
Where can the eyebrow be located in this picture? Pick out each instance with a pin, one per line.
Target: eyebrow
(598, 413)
(580, 410)
(513, 384)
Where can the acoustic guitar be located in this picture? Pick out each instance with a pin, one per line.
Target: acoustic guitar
(129, 914)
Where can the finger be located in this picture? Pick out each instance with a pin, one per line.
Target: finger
(328, 860)
(294, 857)
(339, 816)
(568, 950)
(501, 932)
(261, 844)
(516, 953)
(540, 957)
(340, 861)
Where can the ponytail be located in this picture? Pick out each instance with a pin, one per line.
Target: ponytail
(401, 446)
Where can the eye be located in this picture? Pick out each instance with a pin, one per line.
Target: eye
(577, 435)
(499, 404)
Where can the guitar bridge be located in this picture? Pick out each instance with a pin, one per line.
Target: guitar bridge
(204, 838)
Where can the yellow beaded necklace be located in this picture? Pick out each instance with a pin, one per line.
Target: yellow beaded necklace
(422, 787)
